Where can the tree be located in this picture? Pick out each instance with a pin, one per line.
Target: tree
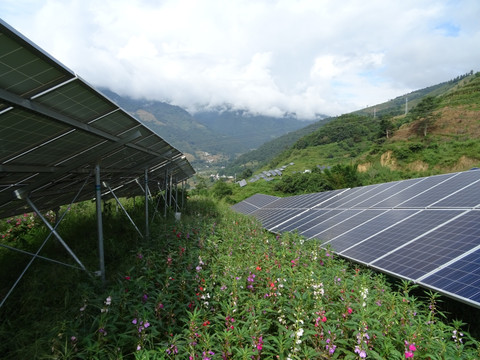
(386, 127)
(246, 174)
(342, 176)
(221, 189)
(424, 115)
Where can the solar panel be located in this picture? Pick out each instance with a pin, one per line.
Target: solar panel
(55, 129)
(299, 219)
(430, 251)
(279, 216)
(379, 222)
(441, 190)
(338, 228)
(253, 203)
(347, 196)
(426, 230)
(412, 227)
(318, 217)
(386, 193)
(459, 279)
(60, 138)
(424, 184)
(327, 223)
(467, 197)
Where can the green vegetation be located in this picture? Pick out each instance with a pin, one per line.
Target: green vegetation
(255, 159)
(213, 286)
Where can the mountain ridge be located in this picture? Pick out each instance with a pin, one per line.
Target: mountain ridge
(210, 138)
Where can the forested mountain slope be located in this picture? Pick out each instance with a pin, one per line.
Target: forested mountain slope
(209, 139)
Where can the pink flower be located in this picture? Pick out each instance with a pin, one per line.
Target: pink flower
(412, 347)
(408, 354)
(349, 310)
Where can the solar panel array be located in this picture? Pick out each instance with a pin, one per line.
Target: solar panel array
(55, 128)
(426, 230)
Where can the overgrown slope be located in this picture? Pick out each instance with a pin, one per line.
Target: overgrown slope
(216, 286)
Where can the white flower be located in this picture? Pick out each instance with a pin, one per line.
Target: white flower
(108, 301)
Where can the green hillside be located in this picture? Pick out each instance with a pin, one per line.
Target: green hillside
(439, 135)
(389, 114)
(256, 158)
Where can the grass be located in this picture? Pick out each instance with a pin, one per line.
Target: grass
(217, 286)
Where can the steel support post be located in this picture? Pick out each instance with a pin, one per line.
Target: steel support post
(98, 198)
(147, 227)
(166, 192)
(177, 208)
(170, 196)
(183, 192)
(124, 210)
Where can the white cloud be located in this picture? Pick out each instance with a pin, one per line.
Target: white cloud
(269, 56)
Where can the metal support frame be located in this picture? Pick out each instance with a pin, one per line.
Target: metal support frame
(52, 232)
(147, 226)
(176, 197)
(162, 196)
(183, 193)
(55, 233)
(98, 201)
(123, 208)
(166, 192)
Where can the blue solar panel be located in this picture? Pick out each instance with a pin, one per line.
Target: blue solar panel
(420, 229)
(462, 278)
(399, 234)
(309, 200)
(435, 248)
(329, 222)
(244, 207)
(420, 186)
(295, 222)
(253, 203)
(279, 216)
(343, 197)
(373, 191)
(321, 216)
(469, 197)
(441, 190)
(348, 224)
(265, 214)
(380, 196)
(367, 229)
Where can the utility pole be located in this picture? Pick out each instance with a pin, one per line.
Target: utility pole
(406, 105)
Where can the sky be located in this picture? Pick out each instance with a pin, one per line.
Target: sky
(269, 57)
